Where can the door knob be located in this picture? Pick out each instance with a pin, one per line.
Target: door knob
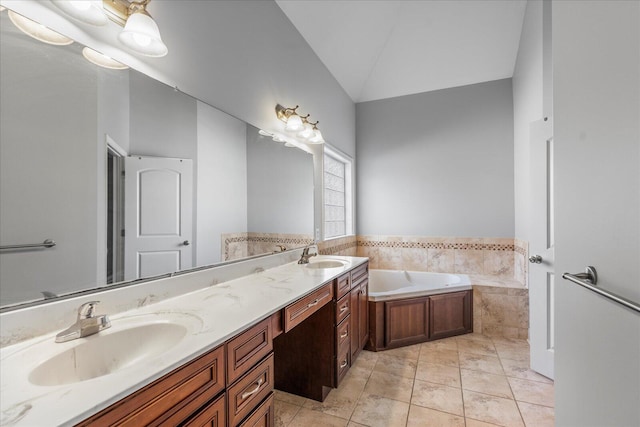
(186, 243)
(535, 259)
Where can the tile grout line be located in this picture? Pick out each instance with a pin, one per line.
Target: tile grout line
(510, 388)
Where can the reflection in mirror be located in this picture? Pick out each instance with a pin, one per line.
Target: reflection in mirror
(130, 177)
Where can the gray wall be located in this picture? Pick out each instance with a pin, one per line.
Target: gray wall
(242, 57)
(596, 69)
(279, 187)
(438, 163)
(222, 181)
(527, 108)
(40, 195)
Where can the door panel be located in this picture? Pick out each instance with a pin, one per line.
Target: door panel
(596, 107)
(541, 274)
(158, 216)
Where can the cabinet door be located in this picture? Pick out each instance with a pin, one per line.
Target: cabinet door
(406, 322)
(363, 314)
(449, 314)
(213, 415)
(354, 296)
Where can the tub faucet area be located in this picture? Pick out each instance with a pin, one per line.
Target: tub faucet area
(87, 323)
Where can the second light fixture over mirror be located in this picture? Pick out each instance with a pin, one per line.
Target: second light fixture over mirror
(140, 33)
(298, 125)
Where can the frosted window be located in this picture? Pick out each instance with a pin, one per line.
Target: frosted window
(335, 197)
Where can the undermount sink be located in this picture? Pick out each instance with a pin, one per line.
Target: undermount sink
(108, 352)
(332, 263)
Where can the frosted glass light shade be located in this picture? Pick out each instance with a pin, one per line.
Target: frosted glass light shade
(38, 31)
(317, 137)
(141, 34)
(102, 60)
(294, 123)
(306, 132)
(88, 11)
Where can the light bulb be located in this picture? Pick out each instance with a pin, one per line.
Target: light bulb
(87, 11)
(294, 123)
(306, 132)
(317, 137)
(141, 34)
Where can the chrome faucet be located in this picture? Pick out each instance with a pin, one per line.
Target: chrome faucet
(304, 258)
(88, 323)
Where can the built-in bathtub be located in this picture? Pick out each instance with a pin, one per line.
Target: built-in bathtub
(386, 285)
(409, 307)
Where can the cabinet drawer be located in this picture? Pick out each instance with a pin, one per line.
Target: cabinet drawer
(248, 348)
(343, 308)
(343, 285)
(342, 362)
(263, 416)
(297, 312)
(244, 395)
(359, 273)
(177, 391)
(343, 333)
(213, 415)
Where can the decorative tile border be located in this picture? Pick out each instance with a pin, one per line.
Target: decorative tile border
(435, 245)
(325, 248)
(251, 238)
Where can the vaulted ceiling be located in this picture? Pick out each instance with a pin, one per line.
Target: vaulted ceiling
(380, 49)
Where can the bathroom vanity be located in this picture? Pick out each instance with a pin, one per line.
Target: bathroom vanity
(291, 327)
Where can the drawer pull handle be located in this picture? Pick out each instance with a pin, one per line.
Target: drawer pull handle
(344, 335)
(311, 304)
(343, 364)
(254, 391)
(362, 292)
(344, 308)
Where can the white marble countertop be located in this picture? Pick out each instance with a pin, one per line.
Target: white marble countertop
(212, 316)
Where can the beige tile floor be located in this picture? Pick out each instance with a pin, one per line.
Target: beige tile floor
(466, 381)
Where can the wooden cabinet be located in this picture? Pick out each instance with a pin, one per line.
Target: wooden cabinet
(194, 395)
(406, 322)
(245, 395)
(296, 313)
(172, 398)
(410, 321)
(363, 314)
(314, 354)
(263, 416)
(212, 415)
(449, 314)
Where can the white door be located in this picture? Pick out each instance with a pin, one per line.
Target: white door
(541, 249)
(596, 133)
(158, 216)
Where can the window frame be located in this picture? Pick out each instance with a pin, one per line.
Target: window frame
(349, 180)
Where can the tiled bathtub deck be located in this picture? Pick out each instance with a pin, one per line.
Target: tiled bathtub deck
(467, 381)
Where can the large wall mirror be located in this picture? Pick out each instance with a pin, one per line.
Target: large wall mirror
(130, 178)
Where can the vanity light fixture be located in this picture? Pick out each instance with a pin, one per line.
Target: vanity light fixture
(102, 60)
(38, 31)
(303, 128)
(87, 11)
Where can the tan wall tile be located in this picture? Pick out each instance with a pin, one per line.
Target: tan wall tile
(469, 261)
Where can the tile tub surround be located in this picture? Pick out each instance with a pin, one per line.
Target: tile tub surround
(471, 380)
(497, 268)
(220, 312)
